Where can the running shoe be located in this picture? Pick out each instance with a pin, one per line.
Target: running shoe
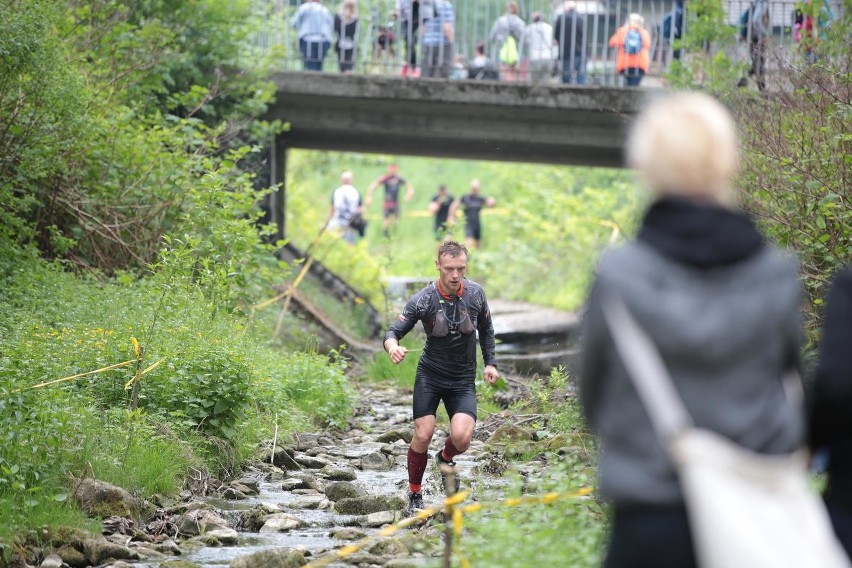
(415, 503)
(439, 461)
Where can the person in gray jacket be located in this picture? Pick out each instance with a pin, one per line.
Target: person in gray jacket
(721, 307)
(314, 26)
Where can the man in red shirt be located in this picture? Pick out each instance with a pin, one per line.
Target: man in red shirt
(393, 182)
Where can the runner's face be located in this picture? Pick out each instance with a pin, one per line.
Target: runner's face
(452, 269)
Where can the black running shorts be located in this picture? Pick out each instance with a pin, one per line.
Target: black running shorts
(473, 230)
(458, 396)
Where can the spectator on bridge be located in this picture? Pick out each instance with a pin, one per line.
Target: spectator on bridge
(459, 70)
(346, 213)
(505, 37)
(633, 43)
(438, 38)
(314, 26)
(695, 255)
(410, 14)
(754, 30)
(672, 29)
(569, 33)
(472, 203)
(537, 45)
(481, 67)
(810, 32)
(830, 427)
(346, 30)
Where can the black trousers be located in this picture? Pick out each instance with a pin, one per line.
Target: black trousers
(650, 537)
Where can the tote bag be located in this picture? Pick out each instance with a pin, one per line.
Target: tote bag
(746, 510)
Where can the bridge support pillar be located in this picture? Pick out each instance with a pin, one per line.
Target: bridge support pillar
(278, 198)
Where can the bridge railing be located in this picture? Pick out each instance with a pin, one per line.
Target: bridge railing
(383, 34)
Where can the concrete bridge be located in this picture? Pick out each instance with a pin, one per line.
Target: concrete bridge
(479, 120)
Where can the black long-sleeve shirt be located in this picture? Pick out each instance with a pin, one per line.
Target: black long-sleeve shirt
(452, 357)
(831, 408)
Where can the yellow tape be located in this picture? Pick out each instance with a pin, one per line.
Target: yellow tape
(449, 504)
(136, 348)
(77, 376)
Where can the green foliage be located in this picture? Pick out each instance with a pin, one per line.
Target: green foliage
(707, 45)
(566, 533)
(540, 242)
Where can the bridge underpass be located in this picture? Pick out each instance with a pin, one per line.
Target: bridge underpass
(477, 120)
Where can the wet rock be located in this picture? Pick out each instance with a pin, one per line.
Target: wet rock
(405, 563)
(102, 499)
(310, 502)
(179, 564)
(275, 558)
(228, 537)
(120, 564)
(375, 461)
(182, 508)
(252, 519)
(509, 433)
(343, 490)
(168, 547)
(310, 462)
(283, 458)
(308, 480)
(200, 521)
(394, 435)
(146, 553)
(379, 519)
(389, 547)
(291, 483)
(72, 557)
(233, 494)
(249, 485)
(281, 522)
(368, 504)
(52, 561)
(334, 473)
(99, 551)
(365, 559)
(121, 539)
(347, 534)
(306, 441)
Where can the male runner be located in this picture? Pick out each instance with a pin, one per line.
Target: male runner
(452, 310)
(440, 208)
(472, 203)
(392, 182)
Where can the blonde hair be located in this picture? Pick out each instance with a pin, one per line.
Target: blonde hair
(686, 144)
(635, 20)
(348, 10)
(512, 7)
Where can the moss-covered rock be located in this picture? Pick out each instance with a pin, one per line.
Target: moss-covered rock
(102, 499)
(368, 504)
(275, 558)
(343, 490)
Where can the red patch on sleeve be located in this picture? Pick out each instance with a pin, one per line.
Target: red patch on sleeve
(401, 317)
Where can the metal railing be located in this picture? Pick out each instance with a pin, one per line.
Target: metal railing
(382, 36)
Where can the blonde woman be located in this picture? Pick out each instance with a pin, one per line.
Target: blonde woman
(346, 32)
(721, 307)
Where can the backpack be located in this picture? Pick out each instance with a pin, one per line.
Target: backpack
(632, 42)
(509, 52)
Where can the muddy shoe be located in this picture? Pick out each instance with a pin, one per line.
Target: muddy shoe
(442, 465)
(415, 503)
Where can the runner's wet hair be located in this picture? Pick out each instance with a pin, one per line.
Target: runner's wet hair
(453, 249)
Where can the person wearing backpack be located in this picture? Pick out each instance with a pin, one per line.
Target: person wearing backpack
(633, 43)
(754, 29)
(538, 46)
(505, 38)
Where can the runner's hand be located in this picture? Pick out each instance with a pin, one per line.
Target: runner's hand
(491, 374)
(397, 354)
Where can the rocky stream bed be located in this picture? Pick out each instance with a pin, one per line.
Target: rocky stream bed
(312, 495)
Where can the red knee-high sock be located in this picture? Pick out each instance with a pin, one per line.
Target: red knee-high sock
(449, 451)
(416, 467)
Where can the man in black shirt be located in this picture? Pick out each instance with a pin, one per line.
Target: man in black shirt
(472, 203)
(393, 182)
(440, 208)
(452, 311)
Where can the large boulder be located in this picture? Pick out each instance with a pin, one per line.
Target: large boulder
(275, 558)
(283, 458)
(72, 557)
(281, 522)
(375, 461)
(102, 499)
(368, 504)
(394, 435)
(509, 433)
(334, 473)
(343, 490)
(98, 551)
(200, 521)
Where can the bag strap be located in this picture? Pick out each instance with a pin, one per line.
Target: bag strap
(648, 372)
